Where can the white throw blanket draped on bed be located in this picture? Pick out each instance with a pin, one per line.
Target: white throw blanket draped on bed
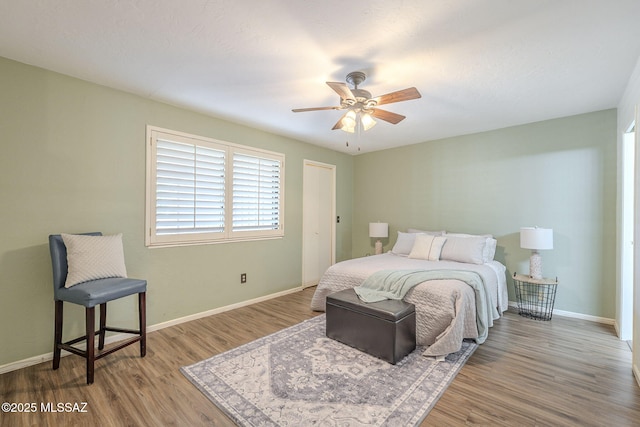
(445, 308)
(395, 284)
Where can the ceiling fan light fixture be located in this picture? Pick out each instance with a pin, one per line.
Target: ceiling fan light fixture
(349, 122)
(367, 121)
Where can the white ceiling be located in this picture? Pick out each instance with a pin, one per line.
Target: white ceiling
(479, 64)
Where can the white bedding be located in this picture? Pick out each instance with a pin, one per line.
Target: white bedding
(445, 309)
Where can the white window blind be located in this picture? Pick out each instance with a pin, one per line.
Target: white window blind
(190, 189)
(201, 190)
(256, 193)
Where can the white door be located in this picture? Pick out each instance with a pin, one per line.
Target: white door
(625, 327)
(318, 220)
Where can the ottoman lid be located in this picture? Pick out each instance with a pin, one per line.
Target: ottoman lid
(392, 310)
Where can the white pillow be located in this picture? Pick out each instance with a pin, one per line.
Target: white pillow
(93, 257)
(404, 243)
(467, 235)
(489, 251)
(464, 249)
(427, 247)
(433, 233)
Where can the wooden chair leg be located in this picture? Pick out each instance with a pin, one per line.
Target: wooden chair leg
(142, 318)
(103, 325)
(57, 335)
(90, 314)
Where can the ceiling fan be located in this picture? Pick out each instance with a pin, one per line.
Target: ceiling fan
(361, 105)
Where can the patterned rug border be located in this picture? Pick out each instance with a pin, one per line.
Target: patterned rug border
(243, 412)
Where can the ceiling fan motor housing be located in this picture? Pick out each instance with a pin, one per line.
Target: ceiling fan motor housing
(356, 78)
(362, 101)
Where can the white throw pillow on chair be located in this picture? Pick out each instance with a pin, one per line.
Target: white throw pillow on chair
(93, 257)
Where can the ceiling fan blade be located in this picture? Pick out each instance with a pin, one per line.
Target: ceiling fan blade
(400, 95)
(341, 89)
(302, 110)
(387, 116)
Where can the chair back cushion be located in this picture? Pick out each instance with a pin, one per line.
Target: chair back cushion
(59, 260)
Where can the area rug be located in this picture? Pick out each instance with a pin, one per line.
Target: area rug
(299, 377)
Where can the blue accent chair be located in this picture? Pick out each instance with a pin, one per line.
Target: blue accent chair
(89, 294)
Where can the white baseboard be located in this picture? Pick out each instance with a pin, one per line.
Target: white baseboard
(14, 366)
(636, 373)
(607, 321)
(207, 313)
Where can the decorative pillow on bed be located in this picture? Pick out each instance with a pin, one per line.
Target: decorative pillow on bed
(93, 257)
(404, 243)
(464, 249)
(433, 233)
(427, 247)
(489, 251)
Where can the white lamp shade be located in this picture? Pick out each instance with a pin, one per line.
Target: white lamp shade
(367, 121)
(536, 238)
(378, 229)
(348, 122)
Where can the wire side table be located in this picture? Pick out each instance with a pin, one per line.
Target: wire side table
(535, 296)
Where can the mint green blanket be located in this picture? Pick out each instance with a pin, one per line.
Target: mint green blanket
(394, 284)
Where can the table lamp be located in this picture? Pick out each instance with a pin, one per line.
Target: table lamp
(536, 239)
(378, 230)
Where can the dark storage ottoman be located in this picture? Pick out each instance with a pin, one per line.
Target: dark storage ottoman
(385, 329)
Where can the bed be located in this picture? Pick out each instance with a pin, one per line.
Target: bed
(448, 310)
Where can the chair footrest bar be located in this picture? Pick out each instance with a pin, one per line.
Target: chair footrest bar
(71, 349)
(126, 331)
(83, 353)
(118, 347)
(108, 329)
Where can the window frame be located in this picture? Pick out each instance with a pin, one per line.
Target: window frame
(152, 239)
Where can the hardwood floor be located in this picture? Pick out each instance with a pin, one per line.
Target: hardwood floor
(564, 372)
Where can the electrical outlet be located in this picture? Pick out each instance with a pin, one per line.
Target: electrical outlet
(243, 278)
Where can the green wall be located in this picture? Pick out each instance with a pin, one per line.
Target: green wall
(73, 160)
(558, 174)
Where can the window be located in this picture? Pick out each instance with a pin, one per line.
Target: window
(200, 190)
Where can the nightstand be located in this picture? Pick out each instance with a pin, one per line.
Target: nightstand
(535, 296)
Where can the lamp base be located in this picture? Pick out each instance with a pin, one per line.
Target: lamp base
(535, 265)
(378, 247)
